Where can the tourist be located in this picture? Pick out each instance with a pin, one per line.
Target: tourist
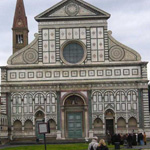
(125, 143)
(144, 138)
(93, 145)
(102, 145)
(134, 142)
(140, 139)
(121, 139)
(129, 140)
(108, 137)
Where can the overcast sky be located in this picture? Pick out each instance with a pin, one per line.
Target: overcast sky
(129, 22)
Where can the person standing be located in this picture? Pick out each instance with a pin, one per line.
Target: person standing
(140, 139)
(108, 137)
(93, 145)
(134, 143)
(129, 139)
(144, 138)
(102, 145)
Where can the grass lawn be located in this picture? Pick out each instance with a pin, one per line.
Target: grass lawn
(56, 147)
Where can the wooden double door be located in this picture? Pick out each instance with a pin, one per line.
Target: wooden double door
(74, 124)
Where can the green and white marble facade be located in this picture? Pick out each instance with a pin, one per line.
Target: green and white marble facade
(37, 82)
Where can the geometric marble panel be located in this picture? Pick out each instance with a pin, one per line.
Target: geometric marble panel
(108, 72)
(56, 74)
(45, 34)
(21, 75)
(100, 55)
(93, 33)
(100, 32)
(93, 44)
(100, 44)
(13, 75)
(30, 74)
(52, 57)
(126, 72)
(82, 33)
(52, 34)
(117, 72)
(94, 55)
(74, 73)
(39, 74)
(48, 74)
(82, 73)
(65, 73)
(45, 57)
(100, 73)
(63, 34)
(76, 34)
(91, 73)
(52, 45)
(69, 33)
(134, 71)
(45, 46)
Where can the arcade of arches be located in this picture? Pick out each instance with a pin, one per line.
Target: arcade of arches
(74, 115)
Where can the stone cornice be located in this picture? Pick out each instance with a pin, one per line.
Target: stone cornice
(41, 66)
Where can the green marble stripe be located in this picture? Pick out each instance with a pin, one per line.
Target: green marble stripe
(141, 117)
(90, 108)
(58, 111)
(8, 95)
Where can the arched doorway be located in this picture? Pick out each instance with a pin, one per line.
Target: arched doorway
(97, 126)
(52, 126)
(109, 118)
(74, 114)
(121, 125)
(39, 118)
(28, 127)
(132, 124)
(17, 126)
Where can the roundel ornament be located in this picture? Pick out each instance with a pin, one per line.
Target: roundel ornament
(31, 56)
(72, 9)
(116, 53)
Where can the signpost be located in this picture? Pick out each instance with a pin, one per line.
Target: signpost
(43, 129)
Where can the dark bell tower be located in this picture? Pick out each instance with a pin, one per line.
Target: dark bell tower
(20, 27)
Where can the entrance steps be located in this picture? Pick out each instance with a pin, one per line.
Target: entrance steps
(32, 141)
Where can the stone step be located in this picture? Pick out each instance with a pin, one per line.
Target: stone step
(30, 141)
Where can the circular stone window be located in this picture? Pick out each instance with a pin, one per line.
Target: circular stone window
(73, 53)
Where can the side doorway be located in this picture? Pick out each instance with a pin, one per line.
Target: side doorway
(109, 119)
(39, 118)
(110, 126)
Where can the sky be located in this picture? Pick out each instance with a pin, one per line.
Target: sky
(129, 23)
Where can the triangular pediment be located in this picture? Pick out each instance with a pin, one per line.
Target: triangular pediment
(72, 9)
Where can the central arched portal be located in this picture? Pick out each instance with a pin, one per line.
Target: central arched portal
(74, 124)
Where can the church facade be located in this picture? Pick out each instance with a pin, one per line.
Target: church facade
(74, 75)
(3, 125)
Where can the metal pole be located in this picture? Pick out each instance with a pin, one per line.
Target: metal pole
(45, 141)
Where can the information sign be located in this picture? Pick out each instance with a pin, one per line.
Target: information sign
(43, 128)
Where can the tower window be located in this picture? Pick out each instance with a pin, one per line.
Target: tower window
(19, 38)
